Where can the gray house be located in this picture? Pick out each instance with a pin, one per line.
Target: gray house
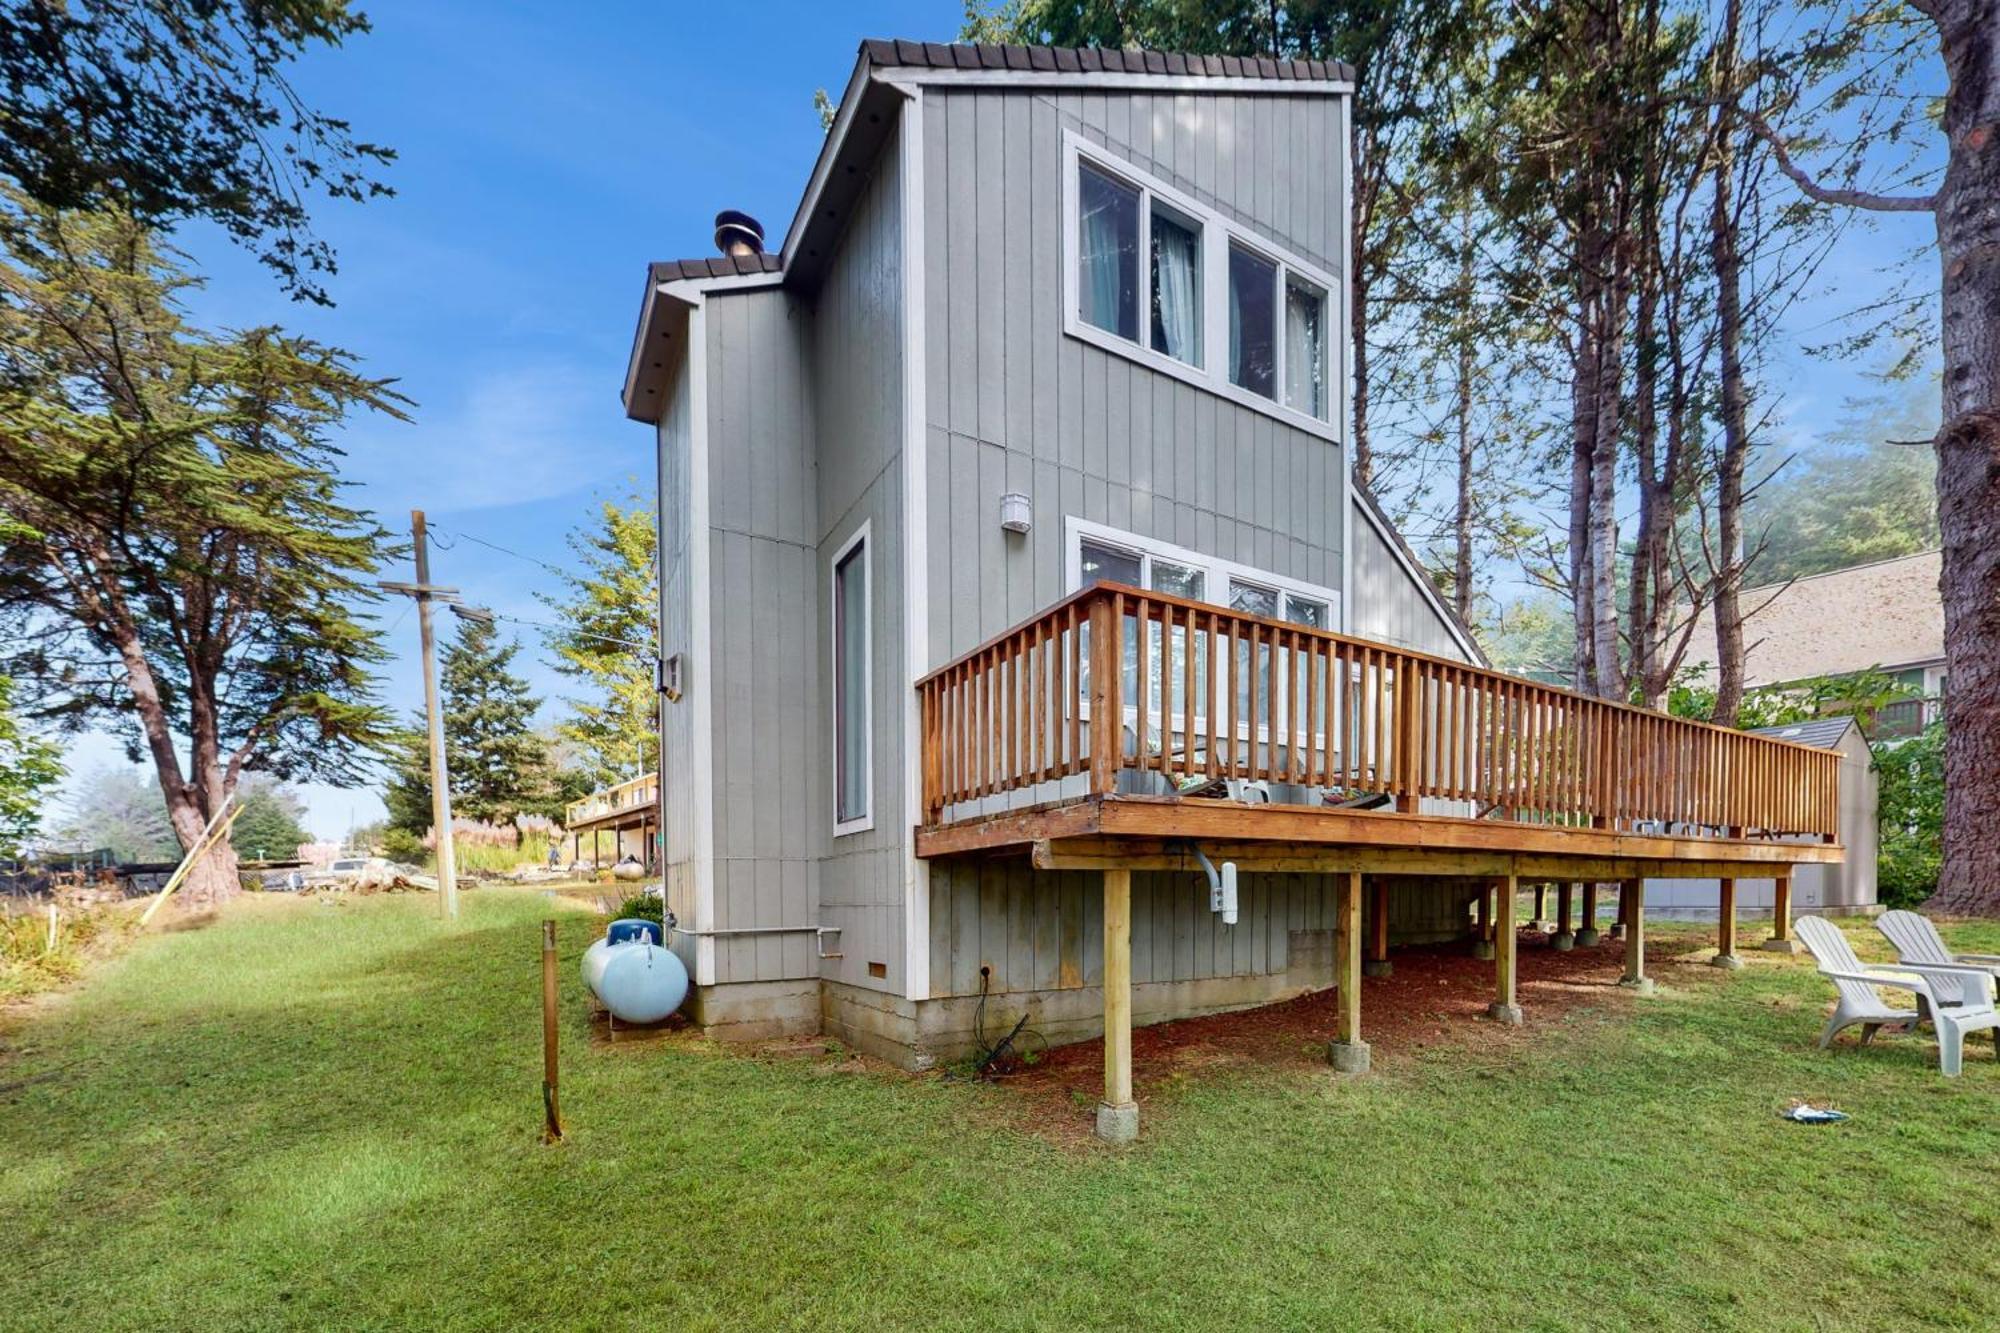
(1024, 633)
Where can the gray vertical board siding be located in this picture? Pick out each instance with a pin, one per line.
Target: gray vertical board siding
(677, 771)
(1015, 404)
(763, 648)
(1044, 930)
(1389, 606)
(856, 371)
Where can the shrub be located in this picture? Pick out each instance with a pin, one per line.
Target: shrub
(27, 964)
(1910, 818)
(644, 906)
(403, 845)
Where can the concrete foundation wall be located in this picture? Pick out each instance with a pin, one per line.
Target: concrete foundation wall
(924, 1033)
(756, 1010)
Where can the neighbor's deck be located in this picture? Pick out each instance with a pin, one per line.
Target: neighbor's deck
(1066, 737)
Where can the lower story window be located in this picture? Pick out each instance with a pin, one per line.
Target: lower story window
(851, 776)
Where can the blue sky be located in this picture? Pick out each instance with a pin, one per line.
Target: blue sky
(543, 163)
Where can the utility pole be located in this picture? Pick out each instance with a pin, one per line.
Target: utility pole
(426, 593)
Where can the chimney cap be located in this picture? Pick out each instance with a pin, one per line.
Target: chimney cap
(736, 232)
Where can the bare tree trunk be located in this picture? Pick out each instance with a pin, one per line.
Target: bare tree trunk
(1462, 526)
(1968, 477)
(1610, 676)
(1584, 381)
(1728, 264)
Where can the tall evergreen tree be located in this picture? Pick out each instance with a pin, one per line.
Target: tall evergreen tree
(269, 826)
(29, 767)
(609, 641)
(178, 559)
(499, 765)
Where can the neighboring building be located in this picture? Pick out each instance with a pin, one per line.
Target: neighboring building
(1886, 615)
(1055, 348)
(615, 823)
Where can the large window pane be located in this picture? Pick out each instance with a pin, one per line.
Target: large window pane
(1179, 580)
(1176, 288)
(1253, 322)
(850, 683)
(1305, 348)
(1108, 253)
(1251, 598)
(1305, 611)
(1107, 564)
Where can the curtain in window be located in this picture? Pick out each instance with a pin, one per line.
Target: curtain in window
(1108, 254)
(1305, 358)
(1176, 290)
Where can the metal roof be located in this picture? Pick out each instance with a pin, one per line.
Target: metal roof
(1095, 60)
(715, 266)
(1824, 732)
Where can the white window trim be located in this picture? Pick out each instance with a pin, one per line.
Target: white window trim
(1216, 572)
(1218, 233)
(864, 821)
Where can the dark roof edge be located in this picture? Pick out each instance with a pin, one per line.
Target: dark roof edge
(1085, 60)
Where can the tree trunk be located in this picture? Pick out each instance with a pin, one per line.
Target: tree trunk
(1968, 477)
(1583, 442)
(1609, 680)
(1462, 526)
(1728, 264)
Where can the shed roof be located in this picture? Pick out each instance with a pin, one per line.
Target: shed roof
(1825, 732)
(1094, 60)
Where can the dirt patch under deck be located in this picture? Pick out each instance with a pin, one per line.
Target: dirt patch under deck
(1436, 997)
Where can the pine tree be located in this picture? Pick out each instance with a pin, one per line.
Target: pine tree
(499, 765)
(179, 558)
(268, 827)
(605, 611)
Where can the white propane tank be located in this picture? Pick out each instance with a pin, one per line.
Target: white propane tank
(641, 982)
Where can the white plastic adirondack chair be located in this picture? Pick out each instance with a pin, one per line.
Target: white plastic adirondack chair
(1917, 941)
(1857, 982)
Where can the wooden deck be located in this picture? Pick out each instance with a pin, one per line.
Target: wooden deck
(1076, 738)
(1075, 716)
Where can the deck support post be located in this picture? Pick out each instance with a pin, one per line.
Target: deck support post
(1781, 940)
(1541, 903)
(1482, 942)
(1632, 906)
(1377, 964)
(1506, 941)
(1563, 939)
(1347, 1052)
(1118, 1114)
(1586, 930)
(1725, 928)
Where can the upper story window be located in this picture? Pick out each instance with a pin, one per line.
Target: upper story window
(1116, 224)
(1156, 277)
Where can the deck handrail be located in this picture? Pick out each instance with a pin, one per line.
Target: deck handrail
(1222, 693)
(627, 795)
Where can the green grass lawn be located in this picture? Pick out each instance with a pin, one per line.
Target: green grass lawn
(327, 1117)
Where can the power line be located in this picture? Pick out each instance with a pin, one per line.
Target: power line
(503, 550)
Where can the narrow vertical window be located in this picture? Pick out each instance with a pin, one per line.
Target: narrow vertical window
(1253, 323)
(1108, 253)
(850, 682)
(1305, 348)
(1176, 287)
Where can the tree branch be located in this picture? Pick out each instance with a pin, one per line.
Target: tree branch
(1879, 203)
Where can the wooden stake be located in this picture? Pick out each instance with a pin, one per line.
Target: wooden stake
(50, 947)
(553, 1131)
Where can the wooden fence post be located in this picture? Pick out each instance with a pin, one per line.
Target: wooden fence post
(553, 1131)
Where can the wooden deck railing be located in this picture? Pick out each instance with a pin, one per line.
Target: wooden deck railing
(1115, 678)
(643, 790)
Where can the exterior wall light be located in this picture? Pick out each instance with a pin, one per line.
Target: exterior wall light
(1016, 513)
